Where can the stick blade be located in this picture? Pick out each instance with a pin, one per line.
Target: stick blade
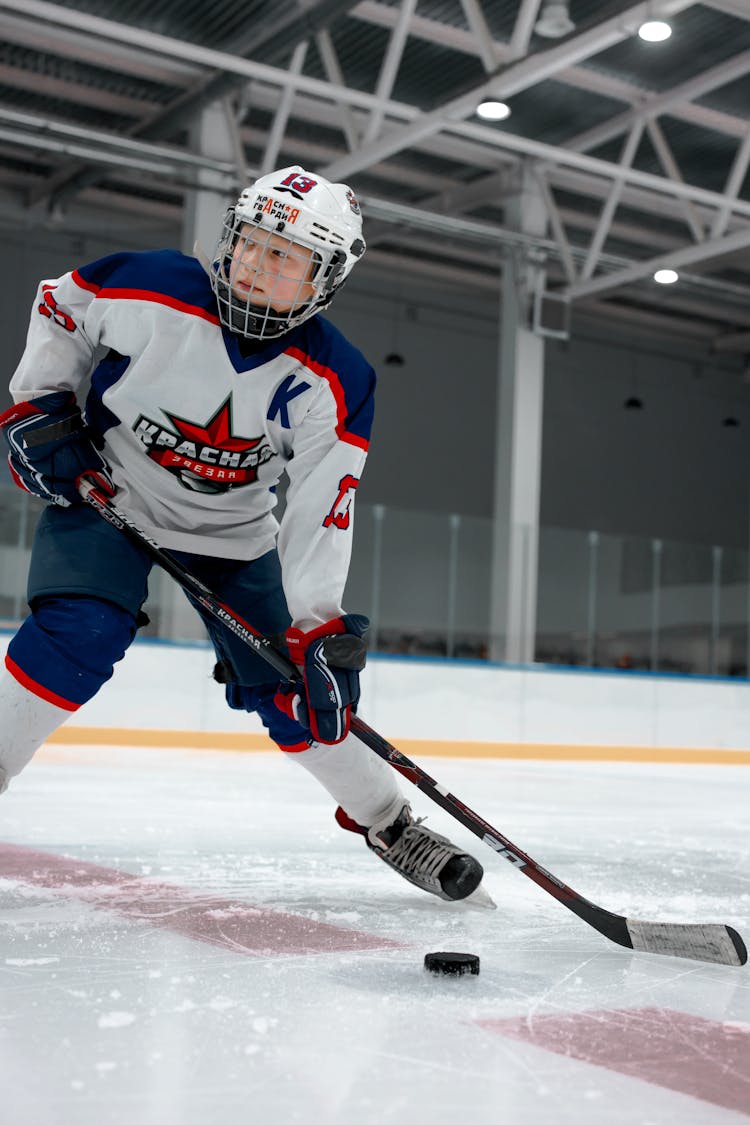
(718, 944)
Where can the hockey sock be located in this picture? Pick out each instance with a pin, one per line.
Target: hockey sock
(363, 784)
(26, 720)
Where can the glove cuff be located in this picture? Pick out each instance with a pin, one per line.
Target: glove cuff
(50, 403)
(299, 641)
(17, 413)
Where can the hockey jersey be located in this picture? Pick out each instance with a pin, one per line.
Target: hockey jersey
(197, 433)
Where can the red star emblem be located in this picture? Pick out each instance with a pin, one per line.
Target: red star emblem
(217, 431)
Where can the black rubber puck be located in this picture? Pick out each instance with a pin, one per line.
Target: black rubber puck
(452, 964)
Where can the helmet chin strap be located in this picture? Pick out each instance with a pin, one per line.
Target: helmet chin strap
(260, 313)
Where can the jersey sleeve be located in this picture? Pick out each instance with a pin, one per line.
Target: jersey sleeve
(315, 538)
(59, 354)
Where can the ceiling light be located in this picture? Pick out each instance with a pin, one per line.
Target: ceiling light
(666, 277)
(493, 111)
(554, 21)
(655, 31)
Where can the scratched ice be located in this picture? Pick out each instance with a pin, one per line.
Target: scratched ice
(188, 937)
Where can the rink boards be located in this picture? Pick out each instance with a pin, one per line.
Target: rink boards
(163, 695)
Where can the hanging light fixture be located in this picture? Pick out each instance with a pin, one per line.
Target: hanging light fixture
(554, 20)
(395, 357)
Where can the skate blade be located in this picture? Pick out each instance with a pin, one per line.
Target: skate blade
(479, 898)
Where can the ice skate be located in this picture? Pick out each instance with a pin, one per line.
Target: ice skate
(426, 859)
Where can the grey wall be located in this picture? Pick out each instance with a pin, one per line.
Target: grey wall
(435, 416)
(670, 470)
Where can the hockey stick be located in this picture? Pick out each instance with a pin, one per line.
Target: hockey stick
(712, 942)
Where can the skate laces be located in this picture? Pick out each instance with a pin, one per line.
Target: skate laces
(419, 853)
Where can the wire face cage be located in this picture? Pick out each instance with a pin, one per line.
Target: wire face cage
(265, 283)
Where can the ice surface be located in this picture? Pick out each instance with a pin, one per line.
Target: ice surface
(188, 937)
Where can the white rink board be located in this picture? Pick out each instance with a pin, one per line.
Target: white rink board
(162, 686)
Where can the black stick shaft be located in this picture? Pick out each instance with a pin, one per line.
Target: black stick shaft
(612, 926)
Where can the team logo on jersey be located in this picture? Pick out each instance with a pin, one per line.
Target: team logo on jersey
(340, 515)
(205, 457)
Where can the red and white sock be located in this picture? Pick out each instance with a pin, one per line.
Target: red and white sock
(26, 721)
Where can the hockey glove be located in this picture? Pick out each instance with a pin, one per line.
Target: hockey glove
(50, 448)
(330, 658)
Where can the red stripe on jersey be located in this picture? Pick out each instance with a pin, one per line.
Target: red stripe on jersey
(337, 390)
(37, 689)
(158, 299)
(83, 284)
(296, 749)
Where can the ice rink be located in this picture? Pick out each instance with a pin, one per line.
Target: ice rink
(188, 937)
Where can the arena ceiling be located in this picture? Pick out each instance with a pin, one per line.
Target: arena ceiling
(640, 151)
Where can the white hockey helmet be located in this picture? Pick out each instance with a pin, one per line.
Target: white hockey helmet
(299, 209)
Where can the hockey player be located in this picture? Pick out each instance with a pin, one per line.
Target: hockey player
(187, 388)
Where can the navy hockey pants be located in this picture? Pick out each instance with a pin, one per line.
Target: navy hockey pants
(87, 584)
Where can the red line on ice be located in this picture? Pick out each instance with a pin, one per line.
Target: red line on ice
(701, 1057)
(230, 923)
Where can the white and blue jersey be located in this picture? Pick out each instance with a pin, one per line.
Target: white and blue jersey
(198, 432)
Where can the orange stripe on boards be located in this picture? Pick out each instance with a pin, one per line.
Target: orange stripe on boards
(417, 748)
(560, 753)
(181, 739)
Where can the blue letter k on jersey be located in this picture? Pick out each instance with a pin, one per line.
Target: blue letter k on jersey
(285, 392)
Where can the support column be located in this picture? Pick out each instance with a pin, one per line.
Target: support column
(213, 134)
(518, 443)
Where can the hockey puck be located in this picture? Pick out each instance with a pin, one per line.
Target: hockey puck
(452, 964)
